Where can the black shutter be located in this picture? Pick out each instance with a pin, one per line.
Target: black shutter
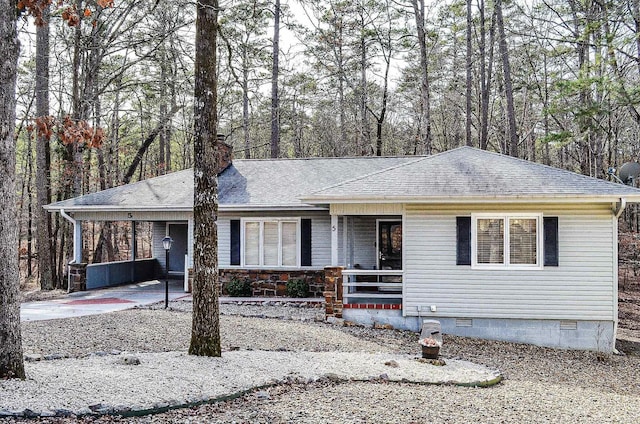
(463, 240)
(550, 241)
(305, 242)
(235, 242)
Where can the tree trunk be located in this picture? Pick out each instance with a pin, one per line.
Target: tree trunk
(245, 105)
(146, 143)
(635, 10)
(469, 80)
(486, 71)
(424, 121)
(205, 332)
(29, 195)
(275, 101)
(11, 361)
(508, 86)
(162, 139)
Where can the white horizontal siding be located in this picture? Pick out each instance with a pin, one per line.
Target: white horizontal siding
(360, 209)
(321, 240)
(581, 288)
(159, 231)
(133, 216)
(363, 235)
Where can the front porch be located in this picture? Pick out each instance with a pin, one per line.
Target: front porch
(368, 250)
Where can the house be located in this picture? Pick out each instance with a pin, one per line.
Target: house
(490, 245)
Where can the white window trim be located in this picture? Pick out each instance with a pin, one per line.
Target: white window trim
(279, 221)
(506, 240)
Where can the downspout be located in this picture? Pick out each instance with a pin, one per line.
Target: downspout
(72, 261)
(617, 212)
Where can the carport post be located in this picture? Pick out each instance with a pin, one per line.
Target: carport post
(166, 243)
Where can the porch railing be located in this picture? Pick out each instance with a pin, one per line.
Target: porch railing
(372, 286)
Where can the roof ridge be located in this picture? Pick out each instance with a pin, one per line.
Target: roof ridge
(327, 158)
(368, 175)
(542, 165)
(411, 162)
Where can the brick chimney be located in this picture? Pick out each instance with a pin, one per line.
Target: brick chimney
(225, 154)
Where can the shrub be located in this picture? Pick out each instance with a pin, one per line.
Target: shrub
(237, 288)
(297, 288)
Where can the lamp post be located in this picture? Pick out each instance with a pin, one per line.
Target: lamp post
(166, 243)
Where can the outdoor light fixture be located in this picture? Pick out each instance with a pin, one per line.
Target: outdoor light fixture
(166, 243)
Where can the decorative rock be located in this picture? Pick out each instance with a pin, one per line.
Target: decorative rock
(53, 356)
(65, 413)
(335, 378)
(6, 414)
(129, 360)
(29, 413)
(96, 407)
(391, 363)
(160, 405)
(384, 376)
(337, 321)
(83, 411)
(262, 395)
(33, 357)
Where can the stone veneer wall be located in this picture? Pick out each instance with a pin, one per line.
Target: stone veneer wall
(77, 277)
(333, 291)
(268, 283)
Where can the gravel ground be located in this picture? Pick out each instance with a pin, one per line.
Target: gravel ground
(541, 385)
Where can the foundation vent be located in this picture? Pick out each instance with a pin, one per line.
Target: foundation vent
(568, 325)
(464, 322)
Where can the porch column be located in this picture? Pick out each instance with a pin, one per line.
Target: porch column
(134, 242)
(334, 240)
(77, 241)
(188, 273)
(345, 242)
(134, 249)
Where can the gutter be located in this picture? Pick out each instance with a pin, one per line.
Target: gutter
(619, 208)
(72, 261)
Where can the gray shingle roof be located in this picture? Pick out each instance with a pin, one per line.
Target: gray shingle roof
(455, 175)
(246, 183)
(470, 173)
(171, 191)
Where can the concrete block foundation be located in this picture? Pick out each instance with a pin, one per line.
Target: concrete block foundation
(563, 334)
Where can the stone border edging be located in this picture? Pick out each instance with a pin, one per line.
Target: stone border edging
(128, 412)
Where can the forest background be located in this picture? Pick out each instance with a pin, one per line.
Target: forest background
(109, 99)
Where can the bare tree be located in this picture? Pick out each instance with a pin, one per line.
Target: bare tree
(424, 127)
(275, 101)
(11, 361)
(469, 79)
(486, 72)
(508, 85)
(205, 332)
(43, 158)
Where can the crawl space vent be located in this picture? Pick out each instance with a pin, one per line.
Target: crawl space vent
(464, 322)
(568, 325)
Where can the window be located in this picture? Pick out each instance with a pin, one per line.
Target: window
(506, 241)
(271, 243)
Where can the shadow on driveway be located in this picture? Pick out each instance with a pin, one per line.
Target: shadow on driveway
(101, 301)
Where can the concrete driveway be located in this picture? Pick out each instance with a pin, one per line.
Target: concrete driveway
(101, 301)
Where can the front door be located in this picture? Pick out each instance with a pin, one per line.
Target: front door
(389, 244)
(178, 232)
